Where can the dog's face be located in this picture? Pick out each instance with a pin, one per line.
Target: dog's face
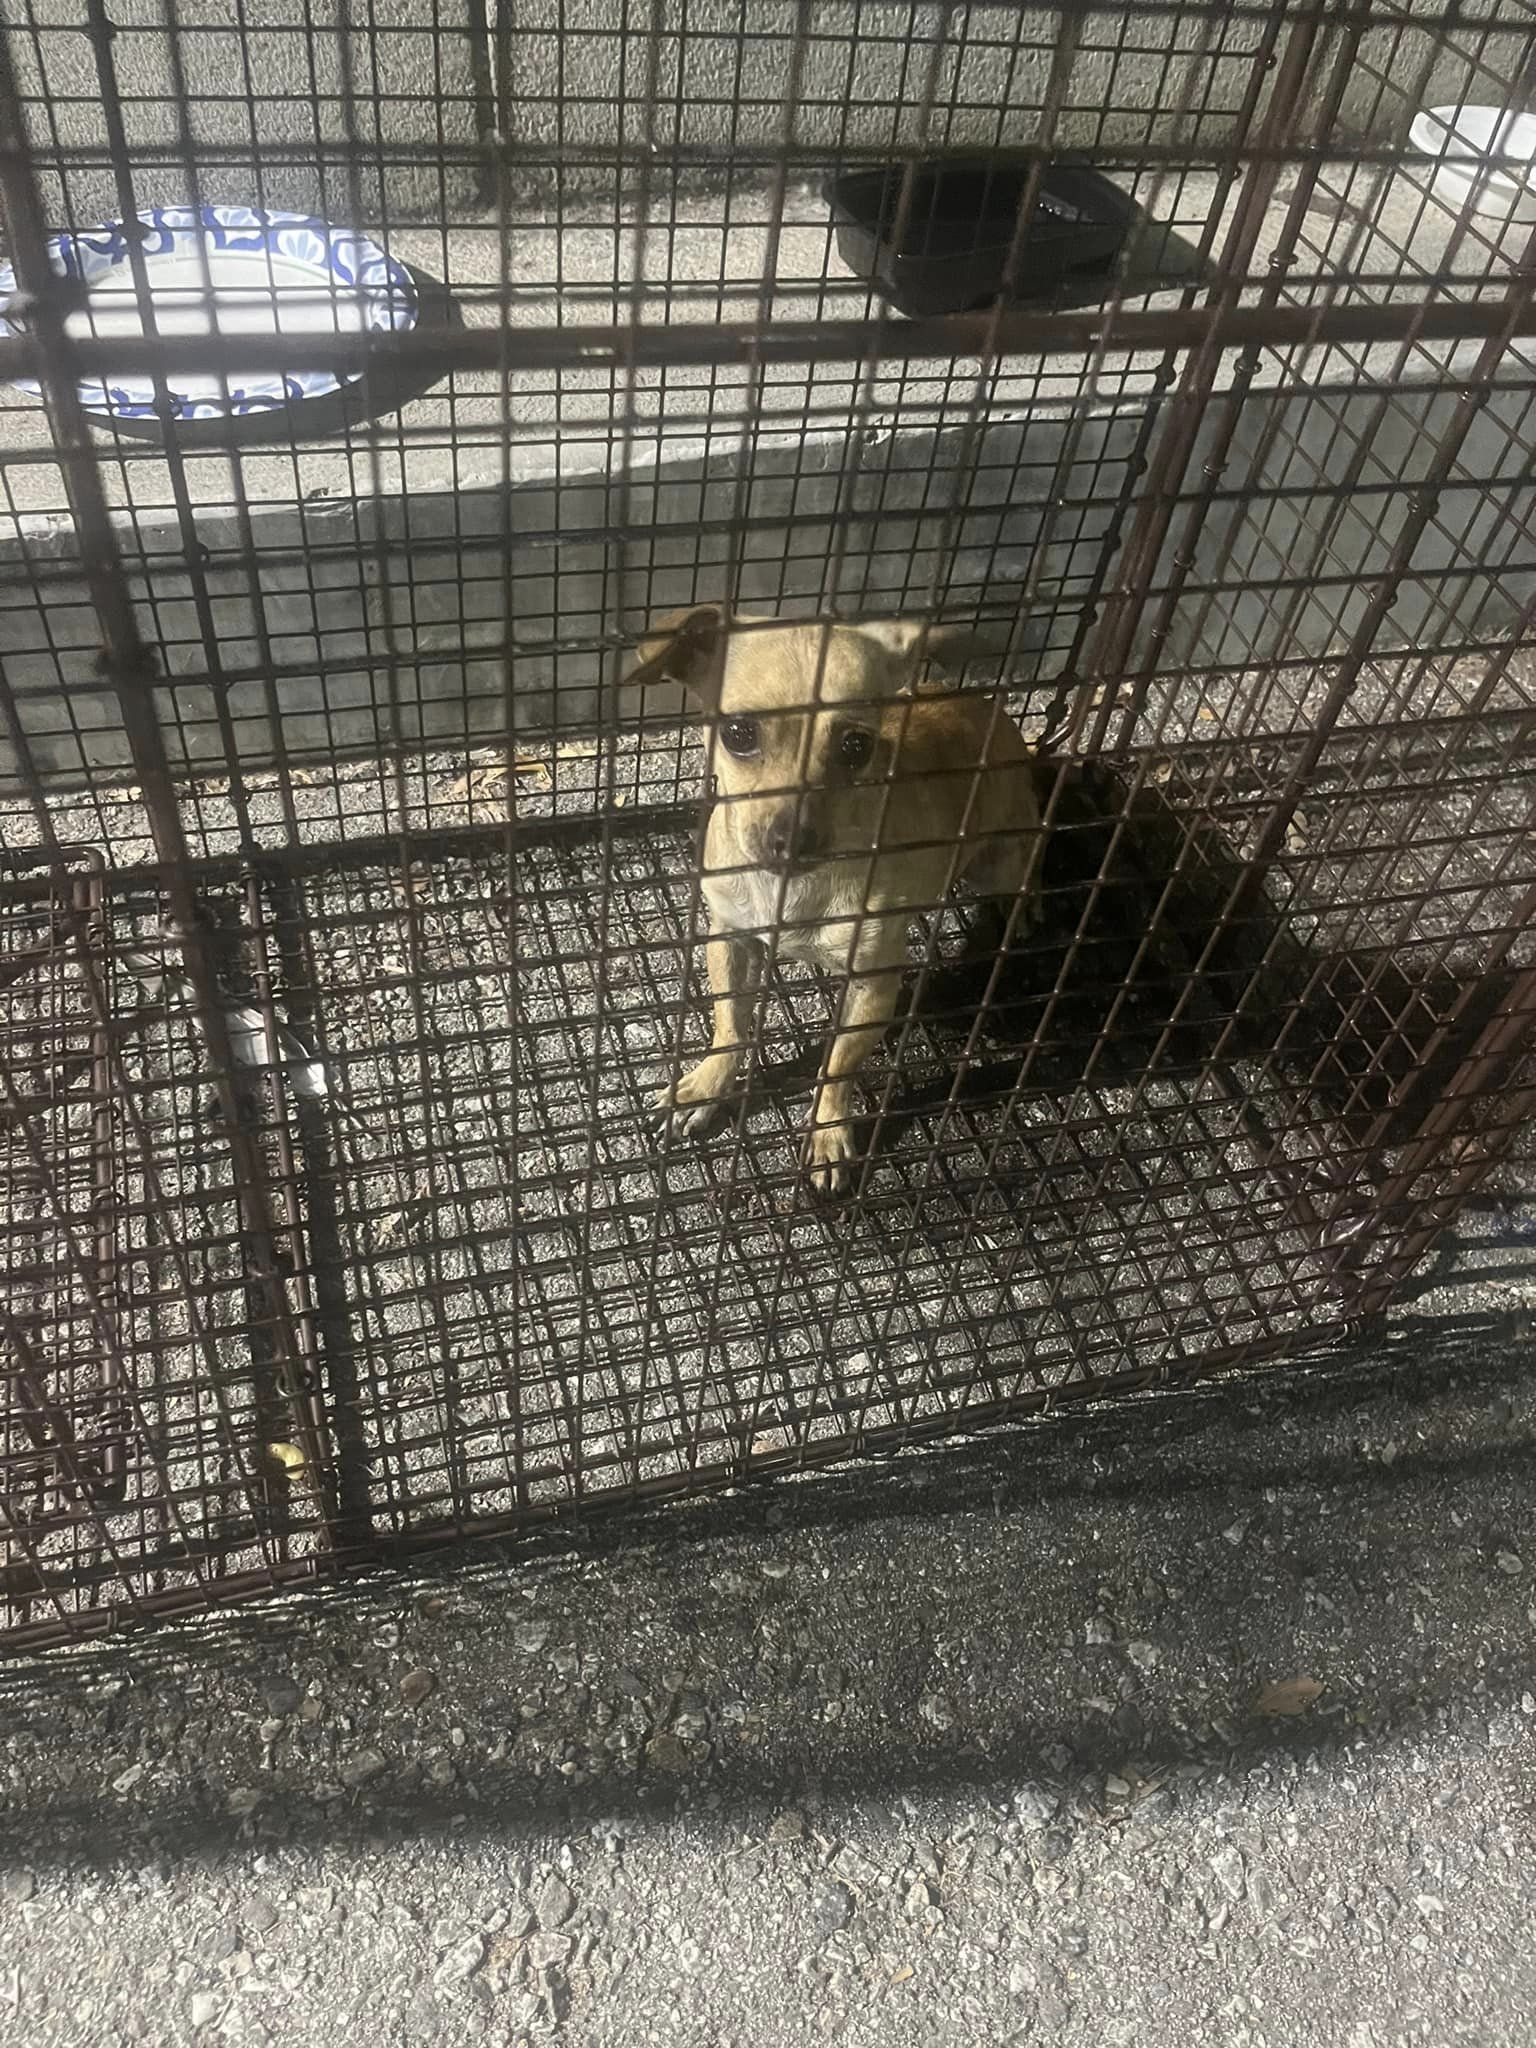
(801, 721)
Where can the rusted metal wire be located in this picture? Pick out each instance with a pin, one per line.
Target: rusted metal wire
(790, 341)
(351, 910)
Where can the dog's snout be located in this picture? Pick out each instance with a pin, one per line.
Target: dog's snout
(791, 839)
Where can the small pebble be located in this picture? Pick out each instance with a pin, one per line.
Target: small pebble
(461, 1961)
(1230, 1871)
(206, 2007)
(1504, 1729)
(417, 1686)
(261, 1916)
(219, 1943)
(423, 2015)
(19, 1885)
(359, 1769)
(531, 1635)
(669, 1753)
(1510, 1563)
(280, 1695)
(1034, 1807)
(831, 1906)
(555, 1904)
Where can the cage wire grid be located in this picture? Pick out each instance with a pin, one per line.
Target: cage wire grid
(351, 914)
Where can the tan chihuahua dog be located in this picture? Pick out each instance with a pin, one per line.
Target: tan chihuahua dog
(849, 800)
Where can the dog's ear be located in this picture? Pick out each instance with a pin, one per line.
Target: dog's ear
(685, 647)
(944, 646)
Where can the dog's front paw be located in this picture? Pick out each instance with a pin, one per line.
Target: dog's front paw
(692, 1102)
(832, 1162)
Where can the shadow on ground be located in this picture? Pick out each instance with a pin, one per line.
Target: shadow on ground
(1099, 1601)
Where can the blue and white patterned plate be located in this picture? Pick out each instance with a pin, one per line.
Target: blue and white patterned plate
(283, 272)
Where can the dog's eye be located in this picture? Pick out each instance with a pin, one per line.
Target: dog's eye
(855, 746)
(738, 736)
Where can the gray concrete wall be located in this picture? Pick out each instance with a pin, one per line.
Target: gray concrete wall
(724, 73)
(426, 578)
(611, 74)
(1280, 517)
(263, 90)
(1400, 67)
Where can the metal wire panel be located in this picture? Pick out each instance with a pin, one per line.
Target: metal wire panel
(352, 915)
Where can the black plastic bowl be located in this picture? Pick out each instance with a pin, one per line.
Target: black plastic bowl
(961, 219)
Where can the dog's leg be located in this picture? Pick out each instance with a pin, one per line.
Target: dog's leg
(694, 1099)
(869, 1002)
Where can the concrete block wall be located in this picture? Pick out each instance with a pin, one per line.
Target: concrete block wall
(613, 75)
(271, 90)
(425, 578)
(712, 74)
(881, 73)
(1471, 573)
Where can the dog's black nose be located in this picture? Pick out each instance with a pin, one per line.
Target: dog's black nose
(790, 840)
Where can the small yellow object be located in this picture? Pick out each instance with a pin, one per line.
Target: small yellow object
(289, 1456)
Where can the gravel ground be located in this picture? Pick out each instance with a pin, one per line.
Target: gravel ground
(1211, 1720)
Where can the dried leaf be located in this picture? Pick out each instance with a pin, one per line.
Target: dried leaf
(477, 782)
(1206, 713)
(484, 780)
(1289, 1696)
(900, 1976)
(669, 1752)
(289, 1456)
(576, 750)
(389, 1227)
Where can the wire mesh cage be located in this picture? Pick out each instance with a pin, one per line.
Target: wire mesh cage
(661, 387)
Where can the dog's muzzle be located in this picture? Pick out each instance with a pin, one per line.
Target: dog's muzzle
(790, 840)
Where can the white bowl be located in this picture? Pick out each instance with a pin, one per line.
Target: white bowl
(283, 273)
(1507, 190)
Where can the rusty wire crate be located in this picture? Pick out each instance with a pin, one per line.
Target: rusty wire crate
(314, 736)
